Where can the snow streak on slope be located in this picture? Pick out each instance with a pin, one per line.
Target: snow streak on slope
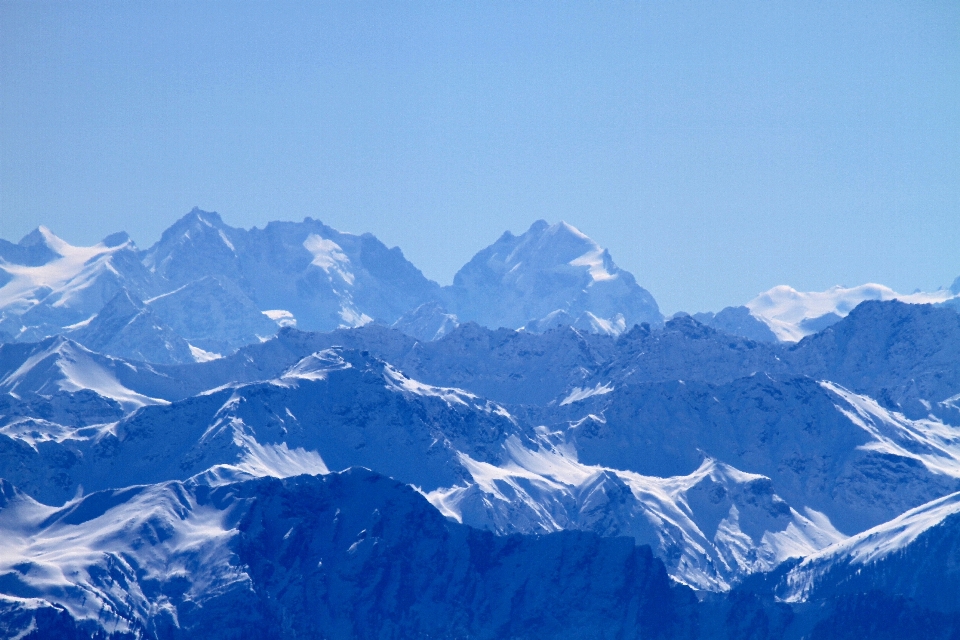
(793, 314)
(62, 277)
(317, 366)
(871, 545)
(314, 557)
(711, 528)
(577, 394)
(276, 460)
(67, 366)
(328, 255)
(94, 555)
(929, 441)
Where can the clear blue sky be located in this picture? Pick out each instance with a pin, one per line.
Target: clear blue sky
(716, 148)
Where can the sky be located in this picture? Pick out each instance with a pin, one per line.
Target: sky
(716, 149)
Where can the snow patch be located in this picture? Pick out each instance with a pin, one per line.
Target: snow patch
(203, 356)
(578, 393)
(593, 260)
(399, 382)
(279, 461)
(935, 444)
(78, 370)
(791, 314)
(353, 318)
(282, 317)
(328, 255)
(61, 280)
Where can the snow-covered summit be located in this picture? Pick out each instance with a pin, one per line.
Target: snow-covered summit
(67, 285)
(212, 283)
(519, 280)
(793, 315)
(325, 278)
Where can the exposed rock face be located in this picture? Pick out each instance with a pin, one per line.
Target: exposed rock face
(345, 555)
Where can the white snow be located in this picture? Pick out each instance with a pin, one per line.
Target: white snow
(328, 255)
(593, 260)
(226, 240)
(203, 356)
(578, 393)
(77, 370)
(316, 366)
(278, 461)
(783, 308)
(397, 381)
(606, 326)
(61, 279)
(871, 545)
(59, 559)
(353, 318)
(282, 317)
(547, 489)
(930, 441)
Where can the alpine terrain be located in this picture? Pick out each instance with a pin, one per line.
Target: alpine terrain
(291, 432)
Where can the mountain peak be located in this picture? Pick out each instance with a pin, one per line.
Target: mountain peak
(550, 270)
(116, 239)
(210, 218)
(43, 237)
(793, 315)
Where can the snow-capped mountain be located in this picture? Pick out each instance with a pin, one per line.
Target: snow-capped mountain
(429, 321)
(126, 327)
(710, 527)
(549, 275)
(58, 366)
(58, 285)
(324, 278)
(218, 288)
(351, 555)
(185, 457)
(213, 314)
(792, 315)
(913, 555)
(787, 466)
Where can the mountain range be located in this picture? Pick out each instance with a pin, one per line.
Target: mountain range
(292, 433)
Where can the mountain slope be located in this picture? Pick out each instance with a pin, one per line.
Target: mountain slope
(793, 315)
(325, 278)
(212, 313)
(344, 555)
(548, 269)
(70, 285)
(125, 327)
(916, 555)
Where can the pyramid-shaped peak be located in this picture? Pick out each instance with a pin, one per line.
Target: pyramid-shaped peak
(565, 228)
(543, 245)
(43, 237)
(538, 227)
(210, 218)
(123, 302)
(196, 220)
(562, 229)
(34, 238)
(519, 281)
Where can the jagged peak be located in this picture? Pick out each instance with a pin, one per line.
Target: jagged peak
(210, 218)
(43, 236)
